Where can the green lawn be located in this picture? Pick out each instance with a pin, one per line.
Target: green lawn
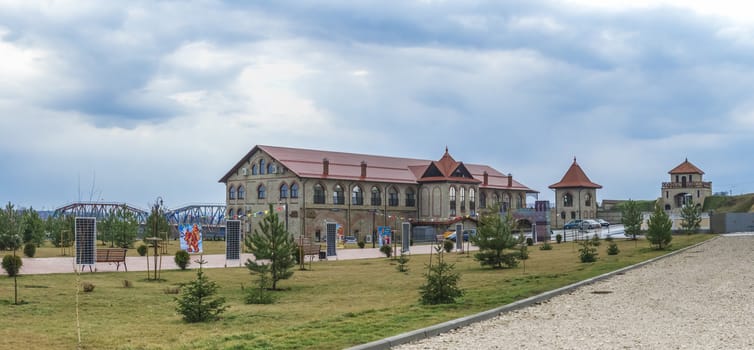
(335, 305)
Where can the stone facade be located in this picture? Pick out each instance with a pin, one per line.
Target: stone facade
(321, 190)
(686, 185)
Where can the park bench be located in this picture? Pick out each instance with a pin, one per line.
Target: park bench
(113, 255)
(308, 249)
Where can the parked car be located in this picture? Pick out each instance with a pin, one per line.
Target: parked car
(573, 224)
(349, 239)
(603, 222)
(589, 224)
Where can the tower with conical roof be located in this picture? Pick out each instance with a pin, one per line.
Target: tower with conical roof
(575, 195)
(686, 186)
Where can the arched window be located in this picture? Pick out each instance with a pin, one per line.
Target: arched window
(482, 200)
(567, 200)
(472, 200)
(230, 213)
(357, 197)
(462, 193)
(283, 191)
(319, 194)
(410, 198)
(294, 191)
(452, 196)
(506, 202)
(232, 192)
(240, 212)
(376, 196)
(254, 170)
(261, 166)
(495, 198)
(588, 200)
(261, 192)
(241, 192)
(392, 199)
(271, 169)
(337, 195)
(520, 201)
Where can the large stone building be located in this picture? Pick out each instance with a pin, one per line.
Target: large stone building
(361, 192)
(686, 186)
(575, 195)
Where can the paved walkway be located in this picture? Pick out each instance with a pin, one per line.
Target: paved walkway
(33, 266)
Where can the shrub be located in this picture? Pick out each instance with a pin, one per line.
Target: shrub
(609, 238)
(260, 295)
(523, 252)
(546, 246)
(529, 241)
(30, 249)
(87, 287)
(559, 238)
(171, 290)
(12, 264)
(127, 284)
(196, 303)
(442, 282)
(587, 252)
(612, 249)
(596, 240)
(182, 259)
(448, 245)
(402, 261)
(361, 244)
(387, 250)
(142, 250)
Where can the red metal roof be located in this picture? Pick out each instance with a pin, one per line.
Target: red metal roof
(307, 163)
(575, 178)
(686, 168)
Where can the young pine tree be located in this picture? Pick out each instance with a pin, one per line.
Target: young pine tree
(442, 282)
(273, 248)
(659, 228)
(495, 236)
(196, 302)
(631, 218)
(692, 217)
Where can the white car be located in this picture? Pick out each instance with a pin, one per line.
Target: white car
(590, 224)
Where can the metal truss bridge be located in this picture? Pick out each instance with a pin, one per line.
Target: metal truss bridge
(210, 216)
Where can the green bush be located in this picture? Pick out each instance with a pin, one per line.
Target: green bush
(612, 249)
(30, 249)
(587, 252)
(529, 241)
(559, 238)
(12, 264)
(361, 244)
(142, 250)
(182, 259)
(442, 282)
(546, 246)
(448, 245)
(387, 250)
(87, 287)
(402, 262)
(196, 302)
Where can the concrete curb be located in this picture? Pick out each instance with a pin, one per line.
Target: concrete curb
(437, 329)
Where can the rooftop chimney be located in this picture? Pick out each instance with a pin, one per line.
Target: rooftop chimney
(510, 180)
(486, 176)
(363, 169)
(325, 167)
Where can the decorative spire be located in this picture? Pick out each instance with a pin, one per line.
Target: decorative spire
(574, 159)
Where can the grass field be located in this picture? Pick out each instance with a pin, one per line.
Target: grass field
(335, 305)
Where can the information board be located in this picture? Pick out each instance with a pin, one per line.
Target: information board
(332, 231)
(86, 241)
(405, 237)
(233, 240)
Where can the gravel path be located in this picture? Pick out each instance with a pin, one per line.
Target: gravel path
(700, 299)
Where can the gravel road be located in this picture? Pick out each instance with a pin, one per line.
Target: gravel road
(700, 299)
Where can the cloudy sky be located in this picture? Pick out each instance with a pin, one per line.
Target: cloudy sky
(127, 101)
